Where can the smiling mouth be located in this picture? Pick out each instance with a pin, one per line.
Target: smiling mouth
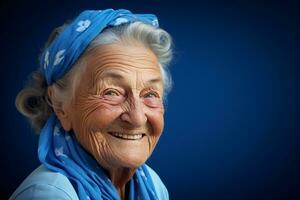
(127, 136)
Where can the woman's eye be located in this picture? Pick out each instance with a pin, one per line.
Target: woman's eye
(111, 93)
(113, 96)
(151, 95)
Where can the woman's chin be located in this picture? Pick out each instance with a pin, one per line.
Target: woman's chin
(130, 160)
(127, 153)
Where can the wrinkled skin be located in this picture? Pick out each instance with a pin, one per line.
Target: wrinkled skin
(120, 91)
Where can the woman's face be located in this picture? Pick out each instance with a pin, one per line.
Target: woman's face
(117, 111)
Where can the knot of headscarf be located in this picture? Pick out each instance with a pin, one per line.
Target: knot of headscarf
(57, 59)
(59, 150)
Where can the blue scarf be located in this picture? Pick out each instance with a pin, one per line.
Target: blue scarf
(64, 51)
(59, 150)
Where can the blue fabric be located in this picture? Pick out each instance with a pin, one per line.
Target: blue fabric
(63, 52)
(45, 184)
(60, 152)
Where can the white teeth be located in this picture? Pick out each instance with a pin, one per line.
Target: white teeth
(127, 136)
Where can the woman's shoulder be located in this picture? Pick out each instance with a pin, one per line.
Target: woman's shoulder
(160, 187)
(45, 184)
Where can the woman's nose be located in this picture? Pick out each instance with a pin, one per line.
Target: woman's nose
(135, 115)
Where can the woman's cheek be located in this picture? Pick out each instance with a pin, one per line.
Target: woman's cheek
(156, 119)
(103, 116)
(113, 100)
(155, 114)
(153, 102)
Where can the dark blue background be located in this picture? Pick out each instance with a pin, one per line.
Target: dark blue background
(232, 118)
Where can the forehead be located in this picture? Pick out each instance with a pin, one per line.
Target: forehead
(124, 58)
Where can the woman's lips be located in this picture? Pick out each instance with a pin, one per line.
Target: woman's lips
(127, 136)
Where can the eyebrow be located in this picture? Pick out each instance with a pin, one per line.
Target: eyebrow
(119, 77)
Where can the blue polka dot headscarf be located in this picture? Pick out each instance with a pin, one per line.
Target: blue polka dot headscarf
(63, 52)
(58, 149)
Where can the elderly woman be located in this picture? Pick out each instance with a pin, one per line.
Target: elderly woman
(97, 102)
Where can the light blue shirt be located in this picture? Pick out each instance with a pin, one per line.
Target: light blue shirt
(45, 184)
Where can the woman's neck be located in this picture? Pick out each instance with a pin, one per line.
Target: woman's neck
(119, 177)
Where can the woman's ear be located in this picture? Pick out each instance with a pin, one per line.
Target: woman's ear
(60, 109)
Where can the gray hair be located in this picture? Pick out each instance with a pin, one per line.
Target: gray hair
(33, 101)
